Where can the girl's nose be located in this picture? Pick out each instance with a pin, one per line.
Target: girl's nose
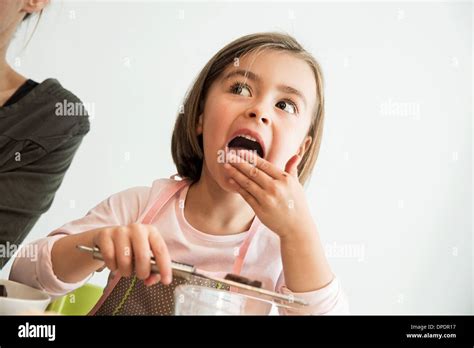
(259, 115)
(261, 118)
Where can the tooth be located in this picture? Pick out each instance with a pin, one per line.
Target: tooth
(248, 137)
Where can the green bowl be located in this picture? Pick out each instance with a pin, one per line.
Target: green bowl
(78, 302)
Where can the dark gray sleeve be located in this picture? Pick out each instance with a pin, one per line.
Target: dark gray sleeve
(28, 191)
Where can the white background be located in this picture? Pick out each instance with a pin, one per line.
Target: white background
(392, 190)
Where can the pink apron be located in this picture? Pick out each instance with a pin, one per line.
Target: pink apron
(129, 296)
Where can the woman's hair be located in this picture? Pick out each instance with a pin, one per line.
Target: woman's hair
(187, 146)
(28, 15)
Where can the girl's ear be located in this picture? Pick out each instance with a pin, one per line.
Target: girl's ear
(31, 6)
(305, 146)
(199, 125)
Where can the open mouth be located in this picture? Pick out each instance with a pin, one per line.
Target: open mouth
(246, 142)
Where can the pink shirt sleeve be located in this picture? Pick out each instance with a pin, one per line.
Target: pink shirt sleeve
(35, 269)
(330, 300)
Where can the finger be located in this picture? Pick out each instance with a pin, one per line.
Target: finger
(106, 246)
(246, 196)
(245, 182)
(162, 257)
(255, 161)
(153, 279)
(123, 252)
(237, 163)
(141, 251)
(292, 165)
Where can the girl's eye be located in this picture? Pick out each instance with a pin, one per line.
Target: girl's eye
(241, 89)
(287, 106)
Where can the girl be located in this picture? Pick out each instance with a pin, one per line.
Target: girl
(36, 146)
(245, 142)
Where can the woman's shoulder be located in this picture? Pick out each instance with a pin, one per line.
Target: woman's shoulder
(48, 114)
(51, 93)
(55, 89)
(57, 101)
(66, 104)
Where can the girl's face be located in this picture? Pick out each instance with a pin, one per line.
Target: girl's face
(274, 104)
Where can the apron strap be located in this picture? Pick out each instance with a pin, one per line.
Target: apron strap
(239, 261)
(163, 198)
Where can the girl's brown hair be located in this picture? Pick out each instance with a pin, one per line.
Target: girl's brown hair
(187, 146)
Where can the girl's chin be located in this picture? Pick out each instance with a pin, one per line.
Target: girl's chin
(221, 178)
(227, 186)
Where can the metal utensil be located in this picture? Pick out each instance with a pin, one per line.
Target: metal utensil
(186, 271)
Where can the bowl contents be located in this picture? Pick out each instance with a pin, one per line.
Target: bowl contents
(3, 291)
(199, 300)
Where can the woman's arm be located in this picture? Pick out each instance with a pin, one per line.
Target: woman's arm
(27, 190)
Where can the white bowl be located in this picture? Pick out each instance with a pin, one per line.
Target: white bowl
(22, 299)
(201, 300)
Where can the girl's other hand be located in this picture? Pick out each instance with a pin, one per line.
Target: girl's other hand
(125, 248)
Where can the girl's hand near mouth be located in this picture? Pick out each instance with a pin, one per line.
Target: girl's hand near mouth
(278, 199)
(276, 196)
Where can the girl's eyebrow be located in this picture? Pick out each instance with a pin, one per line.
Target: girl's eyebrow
(254, 77)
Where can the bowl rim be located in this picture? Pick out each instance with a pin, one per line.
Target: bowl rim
(181, 288)
(15, 299)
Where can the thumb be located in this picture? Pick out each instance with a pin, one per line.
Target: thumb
(292, 165)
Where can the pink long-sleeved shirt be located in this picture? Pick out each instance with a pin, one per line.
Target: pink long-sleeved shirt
(208, 252)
